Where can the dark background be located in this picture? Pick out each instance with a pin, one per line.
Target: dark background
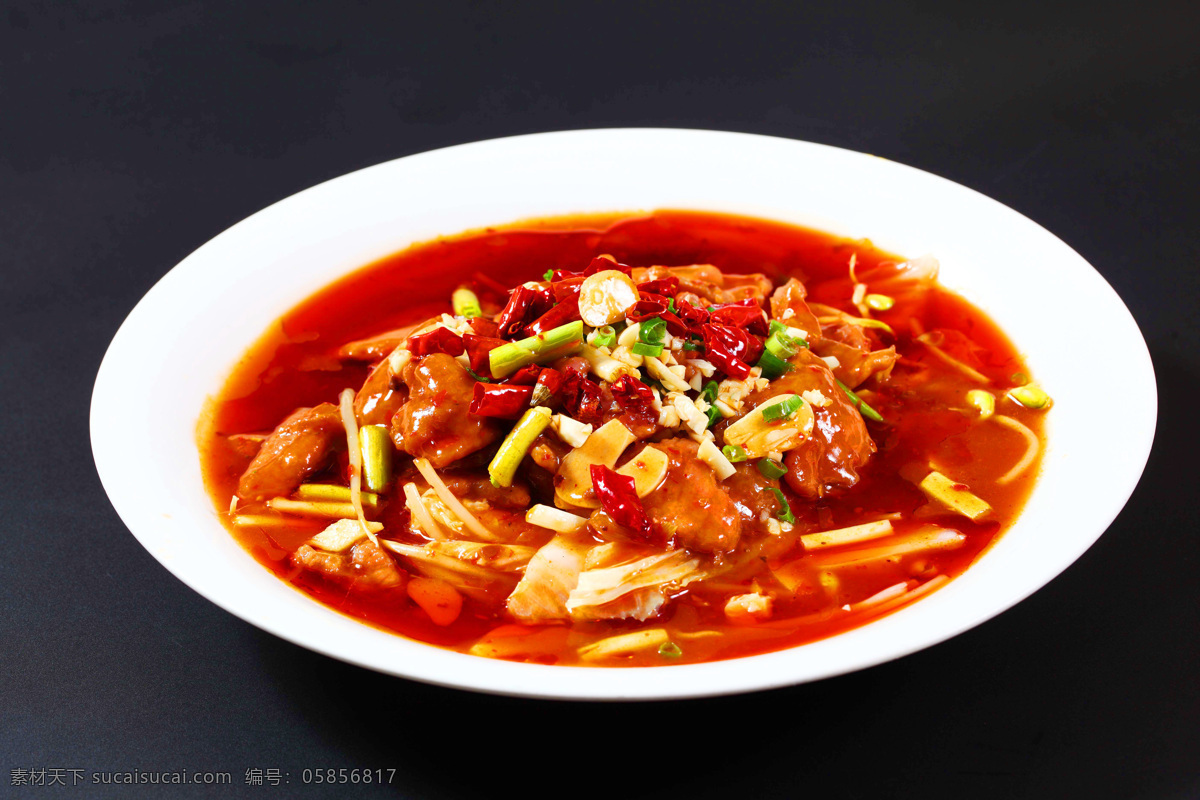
(130, 133)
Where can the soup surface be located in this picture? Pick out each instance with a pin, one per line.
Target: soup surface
(625, 440)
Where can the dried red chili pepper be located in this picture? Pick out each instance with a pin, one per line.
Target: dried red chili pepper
(581, 397)
(692, 317)
(667, 286)
(618, 498)
(636, 399)
(632, 395)
(524, 304)
(438, 340)
(561, 314)
(548, 389)
(742, 314)
(501, 401)
(478, 348)
(654, 305)
(482, 326)
(567, 289)
(731, 349)
(602, 263)
(525, 376)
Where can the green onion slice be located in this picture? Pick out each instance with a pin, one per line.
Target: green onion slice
(862, 407)
(782, 410)
(785, 514)
(605, 336)
(375, 442)
(771, 469)
(669, 650)
(652, 331)
(734, 452)
(554, 343)
(772, 366)
(514, 447)
(466, 303)
(644, 349)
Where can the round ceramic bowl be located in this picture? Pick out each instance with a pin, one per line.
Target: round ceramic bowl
(179, 343)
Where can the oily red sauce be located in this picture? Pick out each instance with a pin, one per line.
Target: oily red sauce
(294, 365)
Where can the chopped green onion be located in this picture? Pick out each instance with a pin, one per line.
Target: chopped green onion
(516, 445)
(377, 450)
(549, 275)
(643, 349)
(695, 346)
(605, 336)
(771, 366)
(734, 452)
(862, 407)
(785, 515)
(652, 331)
(466, 303)
(1030, 395)
(1020, 378)
(771, 469)
(341, 494)
(782, 345)
(782, 410)
(669, 650)
(671, 305)
(714, 416)
(709, 392)
(554, 343)
(879, 302)
(477, 376)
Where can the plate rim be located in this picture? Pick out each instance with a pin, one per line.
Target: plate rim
(545, 681)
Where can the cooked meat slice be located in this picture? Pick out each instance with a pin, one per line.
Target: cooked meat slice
(300, 446)
(751, 494)
(376, 347)
(434, 423)
(366, 566)
(378, 400)
(691, 503)
(857, 364)
(788, 305)
(708, 282)
(840, 443)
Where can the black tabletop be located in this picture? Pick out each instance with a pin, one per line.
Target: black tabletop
(132, 132)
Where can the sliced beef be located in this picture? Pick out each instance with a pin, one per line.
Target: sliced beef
(434, 422)
(300, 446)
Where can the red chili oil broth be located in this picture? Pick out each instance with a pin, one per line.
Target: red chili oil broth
(295, 365)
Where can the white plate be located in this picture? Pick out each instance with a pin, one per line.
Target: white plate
(182, 339)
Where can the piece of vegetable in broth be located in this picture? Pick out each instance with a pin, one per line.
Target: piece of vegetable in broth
(553, 344)
(953, 495)
(573, 483)
(465, 303)
(516, 445)
(377, 452)
(1030, 395)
